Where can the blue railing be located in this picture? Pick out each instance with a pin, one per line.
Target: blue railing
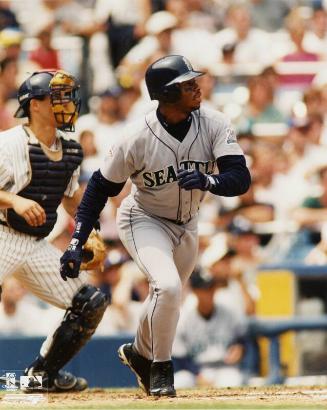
(273, 328)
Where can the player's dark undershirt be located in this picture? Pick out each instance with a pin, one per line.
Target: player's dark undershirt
(178, 130)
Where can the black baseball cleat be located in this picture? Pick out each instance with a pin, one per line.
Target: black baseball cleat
(139, 365)
(162, 379)
(60, 381)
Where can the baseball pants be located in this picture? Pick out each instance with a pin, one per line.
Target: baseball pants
(35, 263)
(166, 253)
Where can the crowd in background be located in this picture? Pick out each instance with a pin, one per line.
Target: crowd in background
(266, 65)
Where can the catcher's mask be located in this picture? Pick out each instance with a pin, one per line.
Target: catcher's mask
(63, 90)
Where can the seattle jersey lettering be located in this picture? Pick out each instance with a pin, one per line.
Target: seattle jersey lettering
(168, 174)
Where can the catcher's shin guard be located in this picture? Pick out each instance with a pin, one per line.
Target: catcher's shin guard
(77, 327)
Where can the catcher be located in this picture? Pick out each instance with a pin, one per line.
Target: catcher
(39, 169)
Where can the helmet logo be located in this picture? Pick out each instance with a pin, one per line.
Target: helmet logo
(188, 64)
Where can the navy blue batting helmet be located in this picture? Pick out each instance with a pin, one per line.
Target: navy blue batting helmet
(163, 75)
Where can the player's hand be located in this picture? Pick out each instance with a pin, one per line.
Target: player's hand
(234, 354)
(71, 260)
(193, 179)
(31, 211)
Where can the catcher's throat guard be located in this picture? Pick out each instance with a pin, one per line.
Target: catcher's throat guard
(65, 100)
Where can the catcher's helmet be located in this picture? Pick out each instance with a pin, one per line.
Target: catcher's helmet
(63, 91)
(163, 75)
(35, 86)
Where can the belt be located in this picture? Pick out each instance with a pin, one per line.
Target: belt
(176, 222)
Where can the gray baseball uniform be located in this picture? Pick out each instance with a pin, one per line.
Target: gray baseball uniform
(158, 221)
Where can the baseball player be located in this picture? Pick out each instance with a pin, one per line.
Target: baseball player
(209, 341)
(39, 169)
(170, 156)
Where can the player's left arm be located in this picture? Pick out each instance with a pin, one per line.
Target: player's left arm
(234, 177)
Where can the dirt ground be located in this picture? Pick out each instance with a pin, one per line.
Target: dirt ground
(280, 397)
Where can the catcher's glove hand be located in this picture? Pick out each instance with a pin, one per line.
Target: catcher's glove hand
(94, 252)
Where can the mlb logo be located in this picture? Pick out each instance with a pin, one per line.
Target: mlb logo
(31, 382)
(11, 381)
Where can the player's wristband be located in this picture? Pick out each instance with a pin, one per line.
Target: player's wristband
(211, 182)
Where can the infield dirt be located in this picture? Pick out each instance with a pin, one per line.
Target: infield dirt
(276, 397)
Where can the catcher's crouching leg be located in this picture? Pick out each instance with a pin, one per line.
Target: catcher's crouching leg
(77, 327)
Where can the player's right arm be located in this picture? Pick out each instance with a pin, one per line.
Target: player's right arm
(94, 199)
(30, 210)
(106, 182)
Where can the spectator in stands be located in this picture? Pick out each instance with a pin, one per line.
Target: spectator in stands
(11, 47)
(7, 16)
(246, 242)
(270, 74)
(8, 78)
(45, 55)
(316, 122)
(104, 121)
(202, 14)
(296, 25)
(239, 294)
(10, 42)
(191, 38)
(208, 346)
(302, 144)
(18, 315)
(157, 42)
(125, 27)
(8, 91)
(312, 99)
(251, 43)
(207, 85)
(91, 158)
(313, 211)
(260, 107)
(315, 39)
(250, 208)
(269, 15)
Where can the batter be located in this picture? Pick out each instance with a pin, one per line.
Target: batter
(170, 155)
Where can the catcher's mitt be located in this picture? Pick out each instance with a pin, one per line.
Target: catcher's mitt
(94, 252)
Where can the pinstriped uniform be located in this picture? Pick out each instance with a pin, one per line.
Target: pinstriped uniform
(35, 263)
(157, 223)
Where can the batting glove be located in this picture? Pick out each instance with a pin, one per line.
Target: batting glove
(194, 179)
(71, 260)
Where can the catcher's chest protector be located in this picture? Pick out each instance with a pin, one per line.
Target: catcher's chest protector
(47, 186)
